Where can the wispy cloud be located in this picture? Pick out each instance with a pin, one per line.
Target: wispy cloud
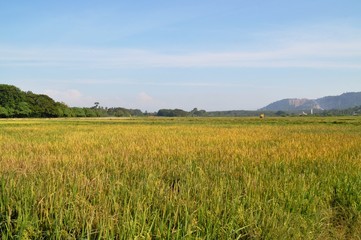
(308, 55)
(319, 47)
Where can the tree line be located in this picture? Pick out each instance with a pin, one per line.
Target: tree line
(15, 103)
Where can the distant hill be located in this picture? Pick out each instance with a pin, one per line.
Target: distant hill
(343, 101)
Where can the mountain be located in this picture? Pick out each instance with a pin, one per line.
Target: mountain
(343, 101)
(346, 100)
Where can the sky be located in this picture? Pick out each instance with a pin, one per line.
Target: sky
(205, 54)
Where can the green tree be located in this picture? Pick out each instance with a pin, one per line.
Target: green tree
(42, 105)
(281, 113)
(172, 113)
(90, 112)
(4, 112)
(78, 112)
(10, 96)
(23, 110)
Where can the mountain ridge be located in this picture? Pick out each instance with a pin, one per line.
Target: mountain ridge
(338, 102)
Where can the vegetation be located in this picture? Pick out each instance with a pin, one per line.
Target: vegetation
(15, 103)
(181, 178)
(239, 113)
(172, 113)
(341, 112)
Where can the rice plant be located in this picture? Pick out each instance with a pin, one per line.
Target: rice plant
(180, 178)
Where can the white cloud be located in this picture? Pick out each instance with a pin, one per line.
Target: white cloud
(72, 97)
(144, 97)
(147, 102)
(304, 54)
(319, 46)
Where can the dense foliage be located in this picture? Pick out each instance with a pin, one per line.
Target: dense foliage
(342, 112)
(15, 103)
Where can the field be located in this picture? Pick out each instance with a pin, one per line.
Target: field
(181, 178)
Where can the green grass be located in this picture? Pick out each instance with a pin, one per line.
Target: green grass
(180, 178)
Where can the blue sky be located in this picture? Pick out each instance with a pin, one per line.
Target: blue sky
(213, 55)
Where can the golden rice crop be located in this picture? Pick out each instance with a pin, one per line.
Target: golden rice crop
(181, 178)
